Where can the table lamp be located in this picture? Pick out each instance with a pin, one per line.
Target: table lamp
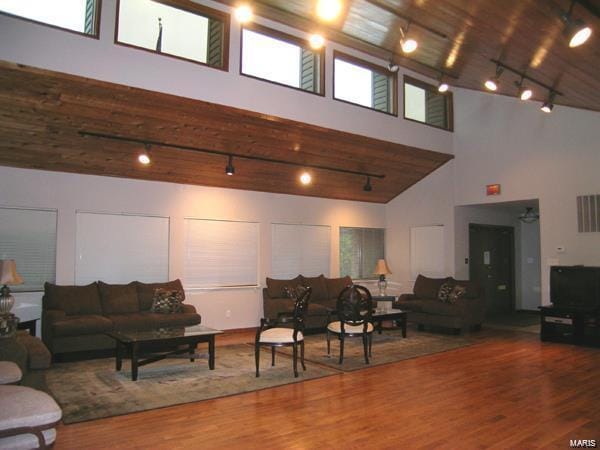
(382, 270)
(8, 276)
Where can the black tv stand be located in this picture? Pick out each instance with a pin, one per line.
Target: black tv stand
(571, 325)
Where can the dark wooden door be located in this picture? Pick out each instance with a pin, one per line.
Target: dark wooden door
(491, 264)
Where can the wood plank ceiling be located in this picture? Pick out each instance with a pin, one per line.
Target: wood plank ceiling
(459, 37)
(42, 114)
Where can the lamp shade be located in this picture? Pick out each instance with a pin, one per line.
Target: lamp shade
(382, 268)
(8, 272)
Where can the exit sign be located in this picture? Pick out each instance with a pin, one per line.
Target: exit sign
(492, 189)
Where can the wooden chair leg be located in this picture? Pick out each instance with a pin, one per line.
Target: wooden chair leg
(370, 344)
(328, 343)
(295, 346)
(257, 357)
(302, 355)
(341, 349)
(365, 347)
(272, 355)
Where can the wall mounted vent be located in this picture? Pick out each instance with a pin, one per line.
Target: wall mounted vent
(588, 213)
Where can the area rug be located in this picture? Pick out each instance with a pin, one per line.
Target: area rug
(387, 347)
(92, 389)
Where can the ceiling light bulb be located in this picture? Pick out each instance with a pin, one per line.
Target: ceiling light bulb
(243, 13)
(144, 156)
(409, 45)
(492, 84)
(580, 36)
(305, 178)
(525, 94)
(328, 10)
(316, 41)
(443, 87)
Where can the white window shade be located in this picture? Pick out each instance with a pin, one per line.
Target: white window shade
(121, 248)
(427, 251)
(220, 253)
(29, 237)
(300, 249)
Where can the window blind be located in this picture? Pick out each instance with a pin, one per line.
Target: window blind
(220, 253)
(360, 248)
(29, 237)
(300, 249)
(121, 248)
(427, 251)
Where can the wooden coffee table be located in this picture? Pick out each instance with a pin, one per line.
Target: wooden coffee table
(134, 344)
(395, 315)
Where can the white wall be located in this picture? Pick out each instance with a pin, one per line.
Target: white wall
(532, 155)
(69, 193)
(530, 267)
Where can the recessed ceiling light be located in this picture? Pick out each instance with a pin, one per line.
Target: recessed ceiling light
(243, 13)
(316, 41)
(144, 156)
(305, 178)
(328, 10)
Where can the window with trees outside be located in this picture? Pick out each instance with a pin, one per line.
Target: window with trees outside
(364, 84)
(81, 16)
(283, 59)
(360, 248)
(197, 34)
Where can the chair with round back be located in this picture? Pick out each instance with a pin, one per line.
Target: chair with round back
(278, 333)
(354, 309)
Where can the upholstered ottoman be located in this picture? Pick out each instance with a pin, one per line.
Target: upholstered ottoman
(27, 418)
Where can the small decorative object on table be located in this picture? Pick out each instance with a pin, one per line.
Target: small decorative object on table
(8, 325)
(8, 275)
(382, 270)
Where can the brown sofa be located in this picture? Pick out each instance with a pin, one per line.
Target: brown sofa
(424, 307)
(324, 295)
(75, 318)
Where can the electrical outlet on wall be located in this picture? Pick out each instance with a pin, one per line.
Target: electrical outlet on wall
(228, 313)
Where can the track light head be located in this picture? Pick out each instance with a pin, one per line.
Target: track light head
(576, 31)
(367, 187)
(492, 83)
(524, 92)
(316, 41)
(229, 169)
(408, 45)
(443, 87)
(548, 105)
(392, 66)
(144, 156)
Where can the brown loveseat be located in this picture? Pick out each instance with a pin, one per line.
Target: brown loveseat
(324, 295)
(75, 318)
(425, 308)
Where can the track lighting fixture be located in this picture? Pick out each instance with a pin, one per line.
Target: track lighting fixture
(524, 92)
(576, 31)
(144, 156)
(392, 66)
(305, 178)
(492, 83)
(229, 169)
(408, 45)
(316, 41)
(548, 105)
(442, 85)
(329, 10)
(243, 13)
(367, 187)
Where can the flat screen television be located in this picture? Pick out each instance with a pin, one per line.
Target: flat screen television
(575, 287)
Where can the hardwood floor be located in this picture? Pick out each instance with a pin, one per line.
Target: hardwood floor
(507, 391)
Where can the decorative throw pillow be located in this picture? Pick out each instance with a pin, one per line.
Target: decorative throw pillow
(167, 302)
(294, 293)
(444, 292)
(457, 292)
